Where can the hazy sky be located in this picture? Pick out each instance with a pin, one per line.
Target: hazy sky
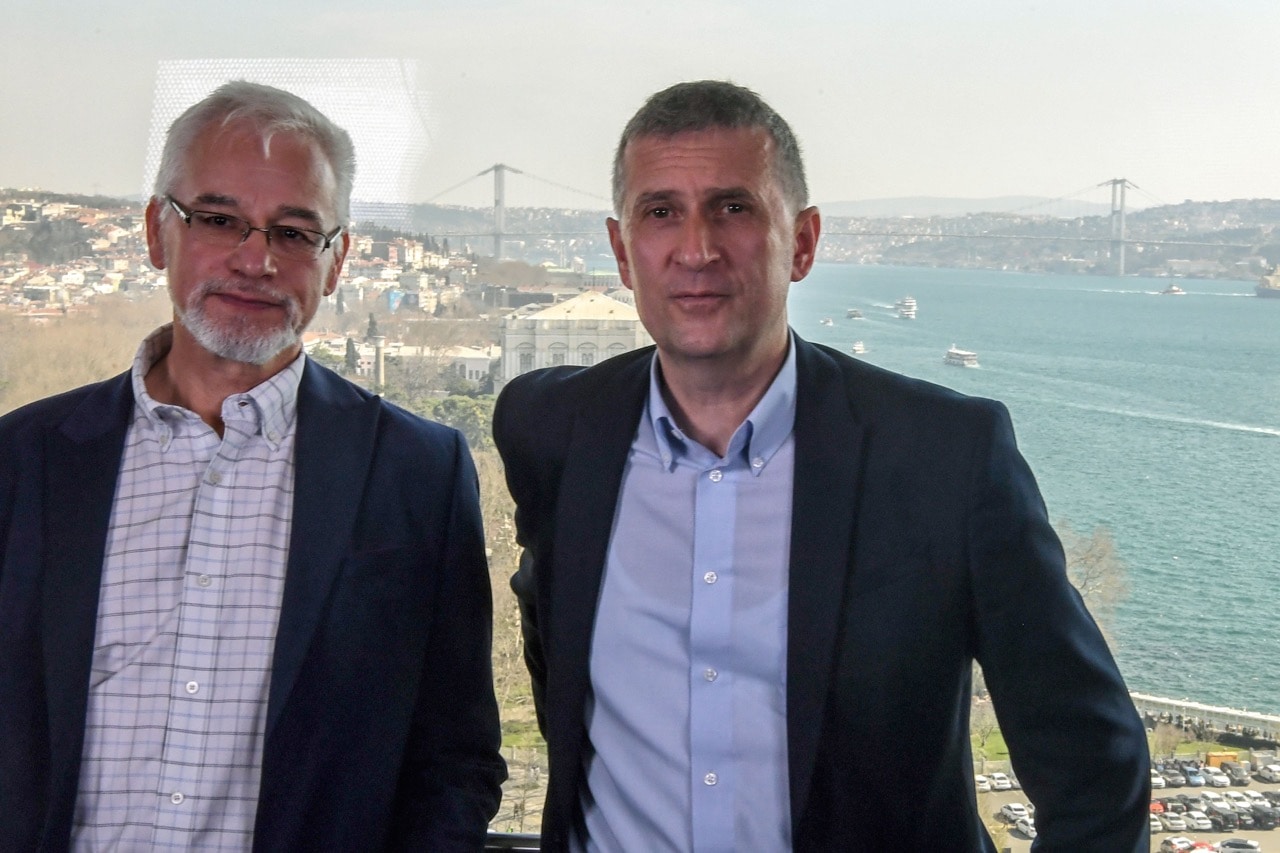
(890, 98)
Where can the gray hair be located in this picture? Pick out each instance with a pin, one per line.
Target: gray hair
(710, 105)
(270, 111)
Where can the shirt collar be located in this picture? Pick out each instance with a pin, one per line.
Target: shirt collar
(759, 436)
(273, 404)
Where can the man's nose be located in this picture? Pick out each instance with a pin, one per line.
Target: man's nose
(254, 257)
(697, 246)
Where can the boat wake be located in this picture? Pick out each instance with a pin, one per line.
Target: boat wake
(1274, 432)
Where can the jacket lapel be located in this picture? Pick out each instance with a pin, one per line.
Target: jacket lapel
(336, 438)
(829, 445)
(596, 456)
(82, 465)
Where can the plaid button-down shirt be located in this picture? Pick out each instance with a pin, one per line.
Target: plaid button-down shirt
(190, 600)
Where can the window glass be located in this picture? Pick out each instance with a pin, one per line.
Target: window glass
(1075, 199)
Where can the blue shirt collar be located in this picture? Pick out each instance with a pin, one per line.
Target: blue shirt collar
(757, 439)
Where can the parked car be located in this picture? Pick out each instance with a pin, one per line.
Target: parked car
(1269, 773)
(1157, 781)
(1156, 825)
(982, 784)
(1173, 804)
(1012, 812)
(1235, 773)
(1265, 817)
(1026, 826)
(1253, 797)
(999, 782)
(1215, 778)
(1175, 844)
(1273, 796)
(1173, 822)
(1172, 778)
(1236, 798)
(1195, 779)
(1212, 797)
(1228, 844)
(1197, 822)
(1157, 807)
(1222, 818)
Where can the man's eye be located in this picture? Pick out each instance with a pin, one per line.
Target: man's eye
(659, 212)
(218, 222)
(734, 207)
(287, 235)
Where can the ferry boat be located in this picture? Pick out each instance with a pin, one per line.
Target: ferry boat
(960, 357)
(858, 348)
(853, 314)
(827, 321)
(906, 307)
(1269, 286)
(1173, 290)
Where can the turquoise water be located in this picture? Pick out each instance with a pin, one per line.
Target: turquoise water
(1156, 416)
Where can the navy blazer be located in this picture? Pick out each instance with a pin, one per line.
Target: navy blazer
(919, 543)
(382, 728)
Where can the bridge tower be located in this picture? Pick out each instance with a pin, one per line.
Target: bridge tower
(499, 203)
(1118, 186)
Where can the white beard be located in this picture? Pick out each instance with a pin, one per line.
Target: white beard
(239, 340)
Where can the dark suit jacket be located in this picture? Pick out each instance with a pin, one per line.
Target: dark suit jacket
(919, 543)
(382, 729)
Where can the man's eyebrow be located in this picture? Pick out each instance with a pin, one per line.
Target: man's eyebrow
(282, 212)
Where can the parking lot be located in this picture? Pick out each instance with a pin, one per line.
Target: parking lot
(990, 804)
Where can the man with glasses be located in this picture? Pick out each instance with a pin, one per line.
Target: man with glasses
(243, 602)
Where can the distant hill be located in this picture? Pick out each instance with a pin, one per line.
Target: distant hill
(922, 206)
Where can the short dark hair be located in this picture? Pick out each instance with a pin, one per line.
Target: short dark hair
(271, 111)
(708, 105)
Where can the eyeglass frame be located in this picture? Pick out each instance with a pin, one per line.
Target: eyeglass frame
(186, 214)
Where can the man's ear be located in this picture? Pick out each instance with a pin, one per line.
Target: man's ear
(155, 243)
(339, 250)
(619, 250)
(808, 228)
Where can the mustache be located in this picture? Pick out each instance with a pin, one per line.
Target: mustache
(254, 290)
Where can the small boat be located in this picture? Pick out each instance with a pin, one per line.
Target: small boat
(906, 307)
(1173, 290)
(853, 314)
(960, 357)
(827, 321)
(858, 348)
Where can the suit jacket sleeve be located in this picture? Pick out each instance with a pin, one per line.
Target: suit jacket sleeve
(1076, 741)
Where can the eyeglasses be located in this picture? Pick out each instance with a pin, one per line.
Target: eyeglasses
(227, 232)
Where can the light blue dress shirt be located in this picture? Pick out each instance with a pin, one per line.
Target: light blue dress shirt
(688, 721)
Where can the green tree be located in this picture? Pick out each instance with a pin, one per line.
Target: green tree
(471, 416)
(352, 356)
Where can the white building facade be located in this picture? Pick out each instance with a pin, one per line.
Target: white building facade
(583, 330)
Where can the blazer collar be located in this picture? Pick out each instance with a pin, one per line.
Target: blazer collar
(829, 450)
(602, 433)
(333, 452)
(82, 463)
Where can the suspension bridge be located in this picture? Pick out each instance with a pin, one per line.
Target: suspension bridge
(1109, 199)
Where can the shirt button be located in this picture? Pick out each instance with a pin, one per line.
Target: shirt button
(193, 687)
(214, 477)
(710, 674)
(203, 580)
(273, 436)
(716, 476)
(757, 462)
(176, 798)
(709, 779)
(710, 577)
